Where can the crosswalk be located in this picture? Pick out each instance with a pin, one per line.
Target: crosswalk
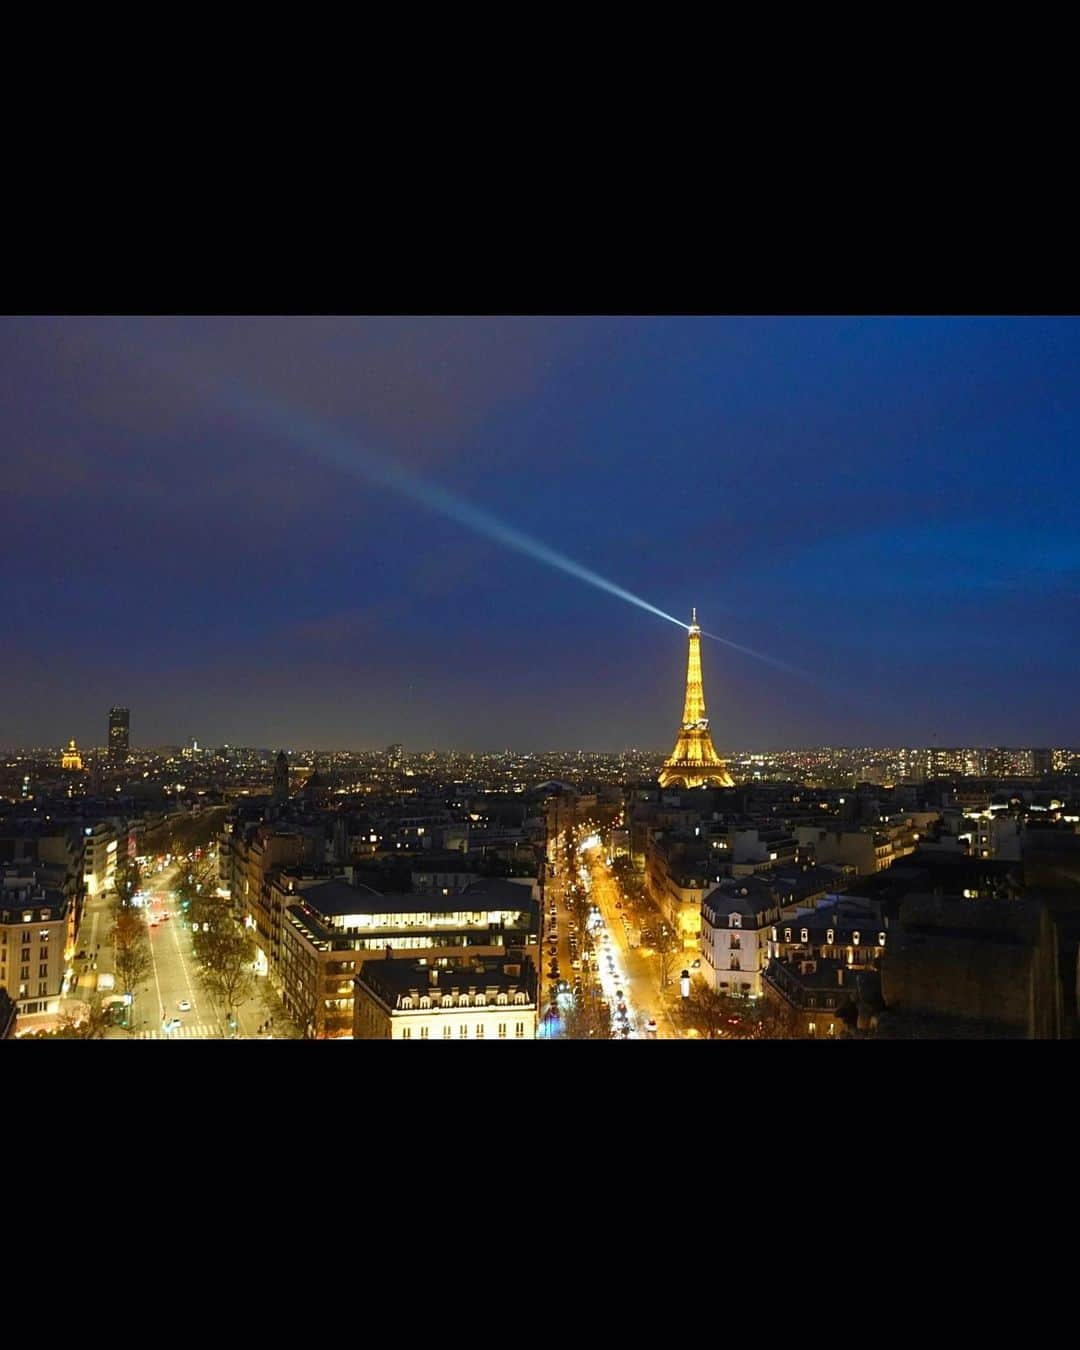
(189, 1031)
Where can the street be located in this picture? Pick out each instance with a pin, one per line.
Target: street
(641, 983)
(173, 977)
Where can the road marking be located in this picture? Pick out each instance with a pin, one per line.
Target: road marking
(183, 966)
(188, 1031)
(153, 962)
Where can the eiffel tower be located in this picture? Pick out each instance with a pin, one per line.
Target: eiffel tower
(694, 761)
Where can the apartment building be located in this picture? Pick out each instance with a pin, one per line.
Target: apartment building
(330, 928)
(33, 935)
(485, 1000)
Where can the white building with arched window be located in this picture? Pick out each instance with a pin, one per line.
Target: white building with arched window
(736, 920)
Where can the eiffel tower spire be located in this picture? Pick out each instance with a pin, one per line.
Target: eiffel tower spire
(694, 761)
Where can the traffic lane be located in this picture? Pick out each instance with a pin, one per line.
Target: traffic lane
(164, 982)
(613, 971)
(640, 978)
(170, 986)
(171, 944)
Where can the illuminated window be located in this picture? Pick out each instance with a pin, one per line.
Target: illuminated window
(479, 1031)
(787, 934)
(423, 1033)
(855, 939)
(463, 1032)
(447, 1032)
(735, 920)
(519, 1028)
(881, 939)
(830, 937)
(406, 1033)
(804, 935)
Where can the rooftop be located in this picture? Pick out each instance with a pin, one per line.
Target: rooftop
(390, 980)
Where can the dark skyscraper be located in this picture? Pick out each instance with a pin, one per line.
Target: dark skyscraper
(119, 728)
(281, 778)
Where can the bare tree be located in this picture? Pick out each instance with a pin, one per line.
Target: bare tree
(127, 880)
(83, 1026)
(587, 1018)
(707, 1010)
(132, 949)
(580, 908)
(716, 1015)
(226, 955)
(668, 949)
(184, 833)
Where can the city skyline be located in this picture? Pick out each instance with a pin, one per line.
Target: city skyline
(883, 505)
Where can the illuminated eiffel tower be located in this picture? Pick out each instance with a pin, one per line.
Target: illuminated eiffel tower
(694, 761)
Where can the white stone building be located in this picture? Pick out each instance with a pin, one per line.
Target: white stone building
(736, 923)
(493, 1000)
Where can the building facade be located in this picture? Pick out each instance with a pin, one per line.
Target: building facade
(487, 1000)
(736, 919)
(816, 996)
(33, 936)
(330, 928)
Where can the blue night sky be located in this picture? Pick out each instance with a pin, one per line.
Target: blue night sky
(887, 505)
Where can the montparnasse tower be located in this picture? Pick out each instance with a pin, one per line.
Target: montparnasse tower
(694, 761)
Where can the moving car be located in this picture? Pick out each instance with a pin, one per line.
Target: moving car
(696, 965)
(172, 1024)
(650, 1026)
(184, 1005)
